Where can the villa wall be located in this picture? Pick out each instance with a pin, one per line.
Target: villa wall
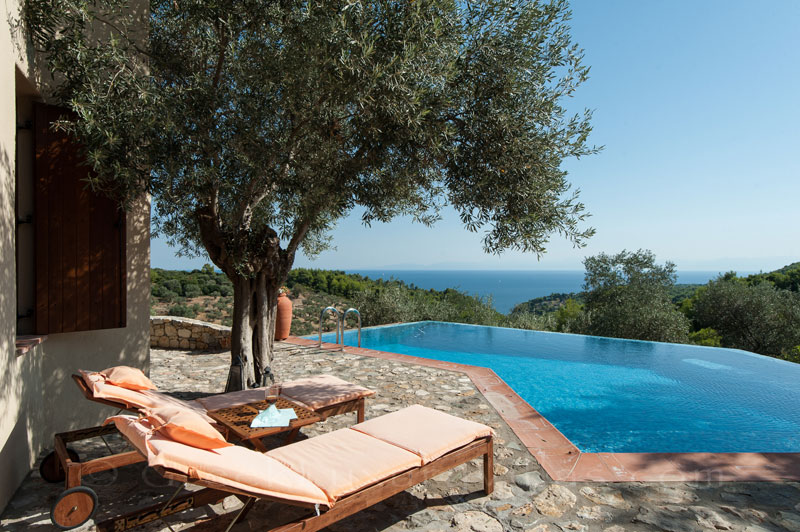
(37, 396)
(185, 333)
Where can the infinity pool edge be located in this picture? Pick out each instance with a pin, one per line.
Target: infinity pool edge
(563, 461)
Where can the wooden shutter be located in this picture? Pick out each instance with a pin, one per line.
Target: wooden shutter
(79, 238)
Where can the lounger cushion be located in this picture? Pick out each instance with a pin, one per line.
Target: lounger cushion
(236, 467)
(160, 400)
(425, 432)
(102, 390)
(344, 461)
(230, 399)
(136, 430)
(128, 377)
(187, 427)
(323, 390)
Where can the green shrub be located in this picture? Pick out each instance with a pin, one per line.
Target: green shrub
(181, 310)
(706, 336)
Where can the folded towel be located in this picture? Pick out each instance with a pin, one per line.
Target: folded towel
(273, 417)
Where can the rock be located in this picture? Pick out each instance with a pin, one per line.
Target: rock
(606, 496)
(474, 521)
(529, 481)
(554, 500)
(500, 470)
(444, 477)
(669, 495)
(523, 510)
(663, 519)
(614, 528)
(471, 478)
(788, 520)
(421, 393)
(170, 330)
(573, 525)
(502, 490)
(539, 528)
(708, 518)
(593, 513)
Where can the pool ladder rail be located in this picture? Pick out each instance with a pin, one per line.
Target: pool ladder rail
(340, 323)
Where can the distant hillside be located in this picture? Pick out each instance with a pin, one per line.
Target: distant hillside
(208, 295)
(786, 278)
(547, 304)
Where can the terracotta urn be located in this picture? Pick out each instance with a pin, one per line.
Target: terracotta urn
(283, 317)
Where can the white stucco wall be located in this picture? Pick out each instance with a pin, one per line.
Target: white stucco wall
(37, 396)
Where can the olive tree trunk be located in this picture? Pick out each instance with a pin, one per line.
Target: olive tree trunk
(255, 302)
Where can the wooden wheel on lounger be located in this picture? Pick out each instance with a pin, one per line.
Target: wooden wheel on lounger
(74, 507)
(50, 469)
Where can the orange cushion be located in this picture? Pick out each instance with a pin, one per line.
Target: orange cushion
(344, 461)
(128, 377)
(136, 430)
(186, 427)
(236, 467)
(157, 399)
(133, 399)
(425, 432)
(230, 399)
(323, 390)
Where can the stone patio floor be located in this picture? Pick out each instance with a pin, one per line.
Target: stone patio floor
(525, 498)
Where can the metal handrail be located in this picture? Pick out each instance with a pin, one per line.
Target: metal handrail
(338, 323)
(344, 317)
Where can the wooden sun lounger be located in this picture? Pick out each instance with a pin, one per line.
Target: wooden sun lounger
(63, 464)
(214, 492)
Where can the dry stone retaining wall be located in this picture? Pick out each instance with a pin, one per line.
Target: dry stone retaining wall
(185, 333)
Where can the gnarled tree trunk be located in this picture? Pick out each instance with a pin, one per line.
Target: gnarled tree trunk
(255, 302)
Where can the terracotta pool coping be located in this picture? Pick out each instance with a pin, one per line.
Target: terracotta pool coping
(565, 462)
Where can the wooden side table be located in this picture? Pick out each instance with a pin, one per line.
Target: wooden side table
(237, 420)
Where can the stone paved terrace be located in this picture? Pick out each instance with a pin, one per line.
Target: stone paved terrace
(525, 499)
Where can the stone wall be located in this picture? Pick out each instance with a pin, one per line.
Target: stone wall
(186, 333)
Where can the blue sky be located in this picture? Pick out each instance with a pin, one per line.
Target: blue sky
(698, 106)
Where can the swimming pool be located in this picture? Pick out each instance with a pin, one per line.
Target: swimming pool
(612, 395)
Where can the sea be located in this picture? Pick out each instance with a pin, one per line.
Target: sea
(507, 288)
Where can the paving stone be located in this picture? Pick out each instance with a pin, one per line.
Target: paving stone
(606, 496)
(529, 481)
(554, 500)
(502, 490)
(474, 521)
(788, 520)
(594, 513)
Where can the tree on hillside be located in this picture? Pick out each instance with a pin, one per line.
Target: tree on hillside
(758, 318)
(256, 124)
(627, 296)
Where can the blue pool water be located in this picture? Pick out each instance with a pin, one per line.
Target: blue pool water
(611, 395)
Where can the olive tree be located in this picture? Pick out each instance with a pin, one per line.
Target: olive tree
(627, 296)
(256, 124)
(758, 318)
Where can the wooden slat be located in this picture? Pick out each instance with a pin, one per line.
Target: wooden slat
(70, 175)
(96, 252)
(110, 288)
(55, 234)
(83, 227)
(122, 268)
(111, 462)
(157, 511)
(42, 179)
